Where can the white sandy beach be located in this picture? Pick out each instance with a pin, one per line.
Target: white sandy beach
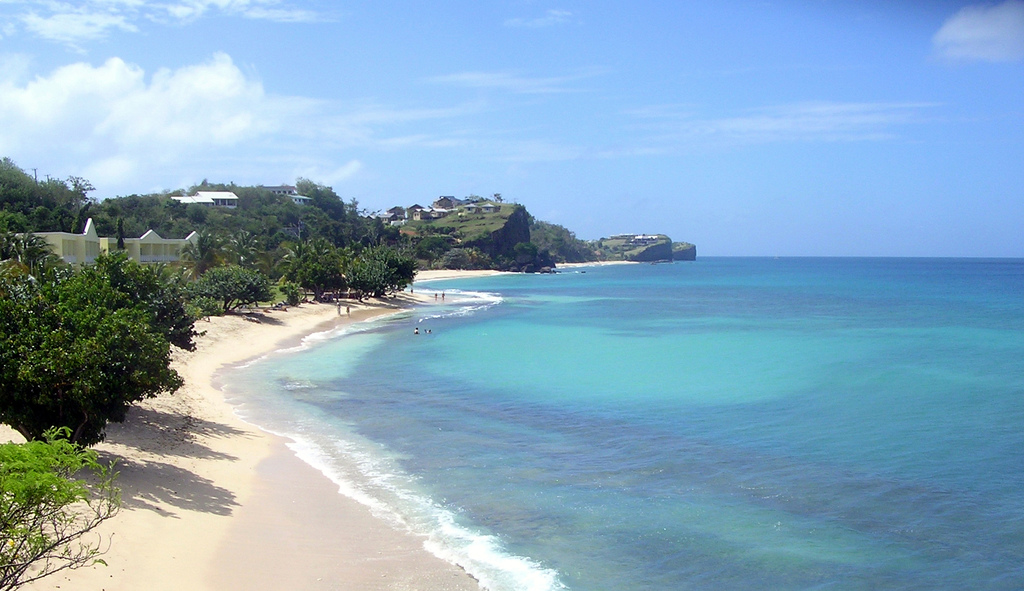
(437, 274)
(211, 502)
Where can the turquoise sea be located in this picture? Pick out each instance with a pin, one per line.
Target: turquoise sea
(725, 424)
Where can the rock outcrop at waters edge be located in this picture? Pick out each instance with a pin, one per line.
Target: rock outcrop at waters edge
(661, 250)
(684, 251)
(646, 248)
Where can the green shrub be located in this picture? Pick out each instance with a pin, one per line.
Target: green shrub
(292, 293)
(45, 511)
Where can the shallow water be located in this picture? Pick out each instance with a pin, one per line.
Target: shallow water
(723, 424)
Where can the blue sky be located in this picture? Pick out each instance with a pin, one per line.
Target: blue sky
(800, 127)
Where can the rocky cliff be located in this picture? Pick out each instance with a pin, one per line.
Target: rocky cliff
(684, 251)
(501, 243)
(658, 251)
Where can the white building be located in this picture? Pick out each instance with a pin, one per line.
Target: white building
(212, 198)
(290, 192)
(79, 249)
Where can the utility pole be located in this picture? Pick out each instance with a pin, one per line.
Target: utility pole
(35, 174)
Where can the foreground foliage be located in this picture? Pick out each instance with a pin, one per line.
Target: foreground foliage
(45, 514)
(78, 348)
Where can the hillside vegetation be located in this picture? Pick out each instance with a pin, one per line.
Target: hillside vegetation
(266, 226)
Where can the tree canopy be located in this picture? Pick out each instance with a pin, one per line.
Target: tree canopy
(380, 270)
(76, 351)
(232, 286)
(316, 265)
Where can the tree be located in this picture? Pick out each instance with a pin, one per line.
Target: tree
(30, 251)
(526, 253)
(45, 512)
(155, 289)
(233, 286)
(432, 247)
(202, 255)
(120, 233)
(76, 352)
(242, 248)
(466, 258)
(315, 265)
(380, 270)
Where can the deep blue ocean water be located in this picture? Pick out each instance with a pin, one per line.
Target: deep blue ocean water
(723, 424)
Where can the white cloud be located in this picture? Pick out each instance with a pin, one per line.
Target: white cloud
(125, 129)
(983, 32)
(550, 18)
(13, 67)
(211, 102)
(89, 20)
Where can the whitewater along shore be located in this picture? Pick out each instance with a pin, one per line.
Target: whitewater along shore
(212, 502)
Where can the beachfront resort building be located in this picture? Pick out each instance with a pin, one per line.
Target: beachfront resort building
(75, 249)
(79, 249)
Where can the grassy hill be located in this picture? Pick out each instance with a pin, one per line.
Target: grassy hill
(462, 225)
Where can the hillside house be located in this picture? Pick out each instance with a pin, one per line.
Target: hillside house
(429, 214)
(482, 207)
(448, 202)
(643, 239)
(290, 192)
(211, 198)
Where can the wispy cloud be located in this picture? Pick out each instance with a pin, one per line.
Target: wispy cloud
(274, 10)
(334, 175)
(550, 19)
(800, 122)
(89, 20)
(983, 32)
(512, 82)
(75, 26)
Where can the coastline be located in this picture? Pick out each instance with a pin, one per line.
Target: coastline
(439, 274)
(213, 502)
(445, 274)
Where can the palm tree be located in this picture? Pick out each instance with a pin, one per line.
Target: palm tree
(268, 262)
(28, 250)
(202, 255)
(242, 249)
